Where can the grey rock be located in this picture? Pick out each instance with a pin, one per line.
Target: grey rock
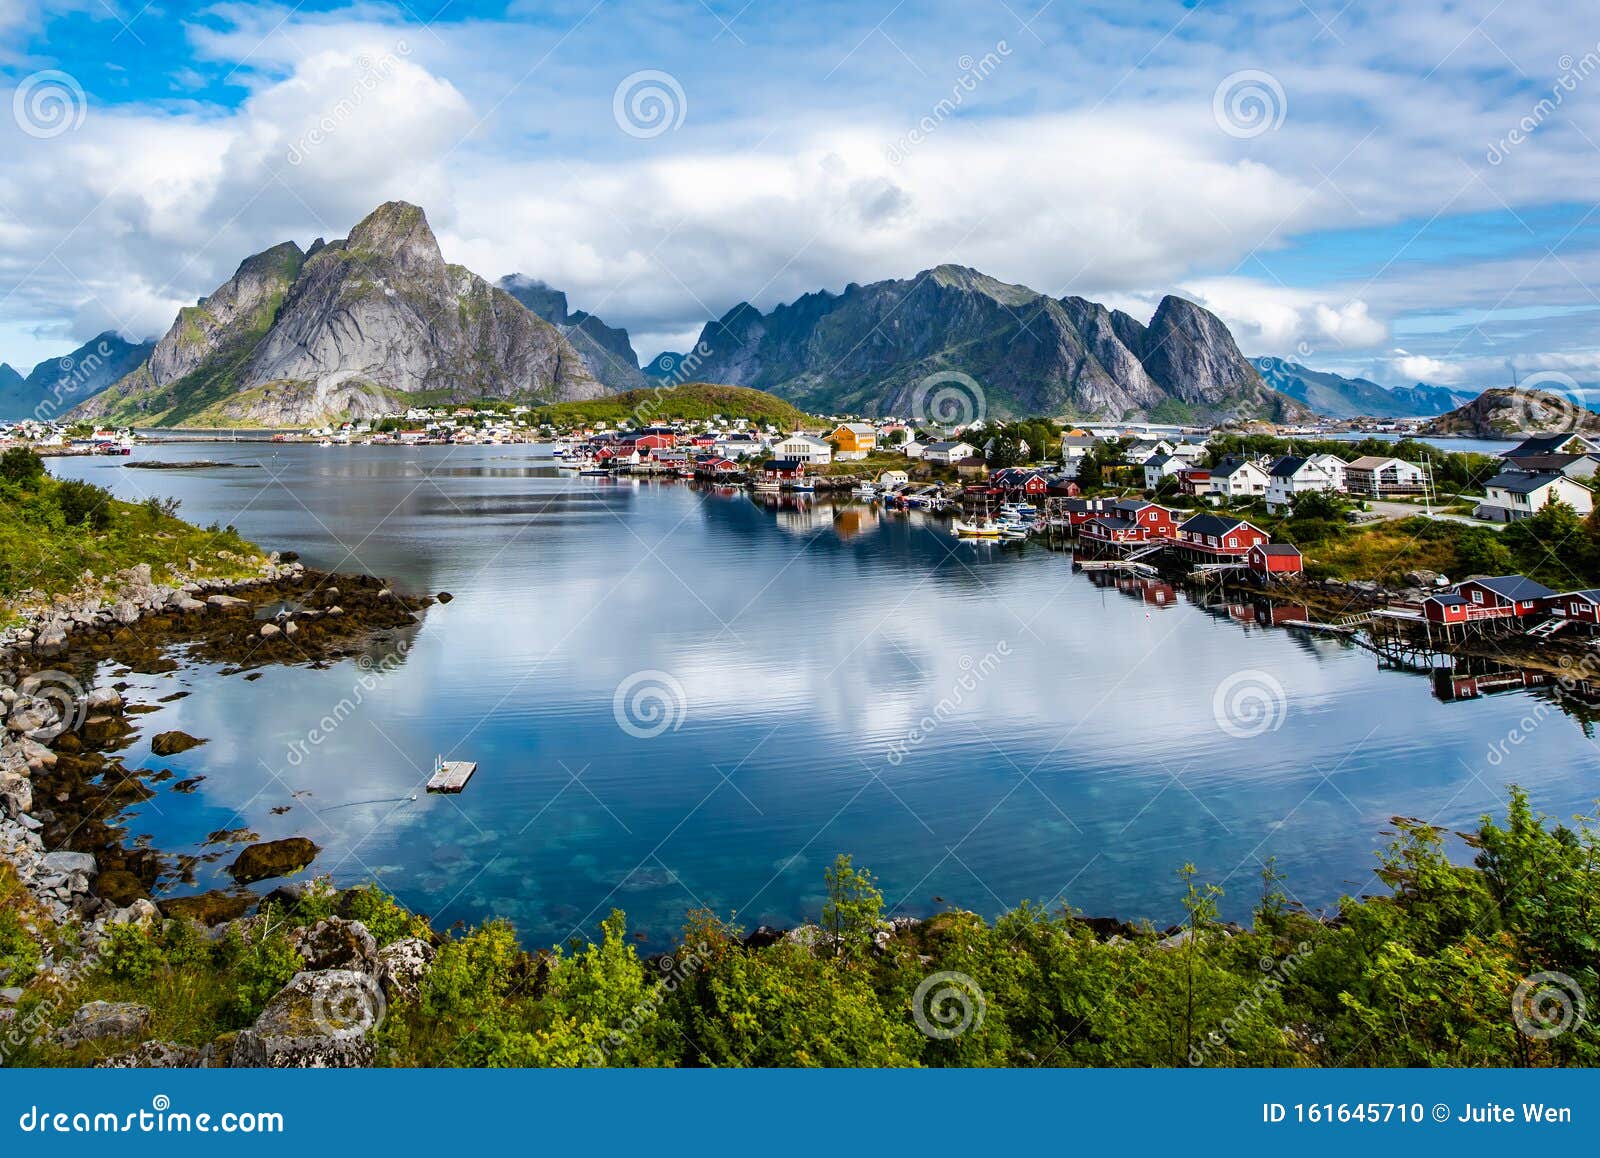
(335, 943)
(402, 966)
(99, 1020)
(154, 1055)
(318, 1021)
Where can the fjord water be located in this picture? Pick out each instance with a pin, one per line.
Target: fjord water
(1077, 756)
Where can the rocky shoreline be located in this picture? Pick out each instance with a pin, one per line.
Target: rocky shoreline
(62, 786)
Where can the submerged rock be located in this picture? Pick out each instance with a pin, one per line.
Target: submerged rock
(211, 908)
(171, 743)
(275, 858)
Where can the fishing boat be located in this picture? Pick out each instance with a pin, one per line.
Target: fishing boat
(984, 529)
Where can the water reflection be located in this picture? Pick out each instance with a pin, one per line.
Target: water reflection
(810, 638)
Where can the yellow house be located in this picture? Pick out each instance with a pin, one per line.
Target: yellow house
(855, 440)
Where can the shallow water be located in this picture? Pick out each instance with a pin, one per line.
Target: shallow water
(787, 658)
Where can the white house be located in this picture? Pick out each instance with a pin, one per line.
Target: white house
(1373, 476)
(948, 453)
(1191, 452)
(1160, 467)
(912, 448)
(1294, 475)
(737, 446)
(893, 478)
(1238, 480)
(803, 448)
(1516, 494)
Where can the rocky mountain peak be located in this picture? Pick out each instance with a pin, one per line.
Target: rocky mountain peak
(398, 232)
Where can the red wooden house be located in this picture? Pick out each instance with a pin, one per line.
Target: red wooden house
(1194, 481)
(1220, 536)
(1273, 559)
(1497, 597)
(783, 470)
(646, 443)
(1581, 607)
(1080, 512)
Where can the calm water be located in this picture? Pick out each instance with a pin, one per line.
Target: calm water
(795, 650)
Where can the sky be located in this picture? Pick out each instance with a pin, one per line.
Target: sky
(1404, 192)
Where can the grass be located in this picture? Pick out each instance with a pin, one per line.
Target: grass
(694, 402)
(52, 532)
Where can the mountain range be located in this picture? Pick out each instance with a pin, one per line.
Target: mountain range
(871, 348)
(1340, 397)
(361, 326)
(379, 321)
(56, 385)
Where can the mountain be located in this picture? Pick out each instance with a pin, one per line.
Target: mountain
(356, 327)
(1339, 397)
(57, 384)
(1508, 413)
(606, 350)
(870, 348)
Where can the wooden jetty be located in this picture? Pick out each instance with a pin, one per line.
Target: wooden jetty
(451, 775)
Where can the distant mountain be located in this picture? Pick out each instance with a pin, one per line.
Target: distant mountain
(606, 350)
(1336, 396)
(56, 385)
(355, 327)
(1509, 413)
(871, 348)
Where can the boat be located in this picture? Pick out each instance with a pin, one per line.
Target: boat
(985, 529)
(866, 491)
(326, 442)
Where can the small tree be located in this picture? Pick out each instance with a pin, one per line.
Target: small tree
(854, 908)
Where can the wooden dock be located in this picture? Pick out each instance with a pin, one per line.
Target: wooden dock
(451, 775)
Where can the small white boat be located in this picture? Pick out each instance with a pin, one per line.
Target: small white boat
(984, 529)
(326, 442)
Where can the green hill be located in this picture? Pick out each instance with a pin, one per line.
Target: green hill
(695, 401)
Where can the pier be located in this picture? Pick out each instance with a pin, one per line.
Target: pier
(451, 775)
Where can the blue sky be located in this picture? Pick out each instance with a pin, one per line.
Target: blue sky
(1362, 187)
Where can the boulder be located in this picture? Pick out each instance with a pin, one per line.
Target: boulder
(154, 1055)
(100, 1020)
(171, 743)
(317, 1021)
(402, 966)
(227, 602)
(268, 630)
(335, 943)
(68, 863)
(274, 858)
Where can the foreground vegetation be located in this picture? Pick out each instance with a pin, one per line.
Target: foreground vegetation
(52, 531)
(1434, 972)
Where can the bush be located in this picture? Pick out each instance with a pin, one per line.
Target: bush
(21, 465)
(82, 502)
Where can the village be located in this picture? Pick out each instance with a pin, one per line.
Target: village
(1133, 499)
